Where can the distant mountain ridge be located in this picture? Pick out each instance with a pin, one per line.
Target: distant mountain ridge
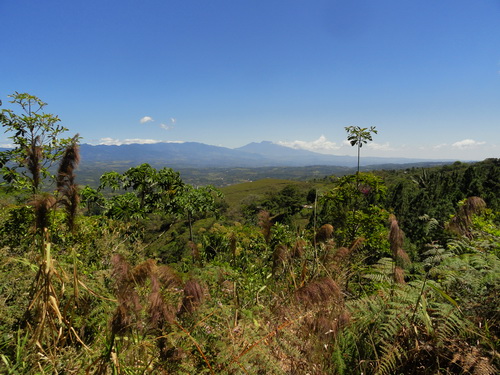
(173, 154)
(253, 155)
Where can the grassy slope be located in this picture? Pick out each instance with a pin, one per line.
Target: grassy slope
(235, 194)
(245, 193)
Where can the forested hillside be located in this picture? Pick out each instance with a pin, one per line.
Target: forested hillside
(391, 272)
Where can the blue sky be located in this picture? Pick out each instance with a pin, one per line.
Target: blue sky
(230, 72)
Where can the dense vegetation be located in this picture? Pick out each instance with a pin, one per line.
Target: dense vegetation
(375, 273)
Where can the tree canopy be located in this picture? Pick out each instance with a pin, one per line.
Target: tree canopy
(35, 136)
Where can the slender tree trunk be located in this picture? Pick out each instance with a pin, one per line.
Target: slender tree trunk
(356, 198)
(190, 227)
(359, 150)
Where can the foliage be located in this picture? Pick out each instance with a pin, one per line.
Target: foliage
(354, 209)
(152, 190)
(154, 280)
(405, 327)
(418, 196)
(35, 136)
(194, 203)
(282, 205)
(357, 136)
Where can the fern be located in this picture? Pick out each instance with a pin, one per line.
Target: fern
(392, 355)
(395, 330)
(338, 360)
(381, 272)
(436, 255)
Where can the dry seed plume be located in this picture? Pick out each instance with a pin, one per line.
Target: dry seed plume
(43, 204)
(356, 244)
(69, 161)
(193, 297)
(462, 221)
(396, 238)
(399, 275)
(325, 233)
(318, 291)
(67, 188)
(128, 299)
(280, 257)
(168, 276)
(128, 281)
(159, 312)
(395, 235)
(33, 162)
(299, 248)
(265, 223)
(341, 255)
(195, 252)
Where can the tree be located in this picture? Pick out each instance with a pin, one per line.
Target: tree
(194, 202)
(153, 189)
(355, 209)
(36, 142)
(357, 136)
(287, 202)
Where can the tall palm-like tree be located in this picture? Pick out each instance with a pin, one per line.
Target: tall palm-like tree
(357, 136)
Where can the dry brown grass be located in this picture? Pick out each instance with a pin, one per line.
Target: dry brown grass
(327, 322)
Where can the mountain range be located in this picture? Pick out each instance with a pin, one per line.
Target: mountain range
(199, 155)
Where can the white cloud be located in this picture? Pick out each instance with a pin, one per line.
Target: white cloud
(146, 119)
(467, 143)
(6, 145)
(169, 127)
(166, 127)
(441, 145)
(117, 142)
(379, 146)
(321, 145)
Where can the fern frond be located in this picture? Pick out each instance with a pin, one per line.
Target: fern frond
(392, 355)
(381, 272)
